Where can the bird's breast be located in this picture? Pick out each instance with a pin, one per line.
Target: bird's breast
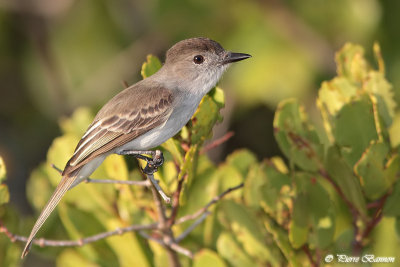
(180, 115)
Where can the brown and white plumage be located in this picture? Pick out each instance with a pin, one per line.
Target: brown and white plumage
(146, 114)
(115, 125)
(117, 122)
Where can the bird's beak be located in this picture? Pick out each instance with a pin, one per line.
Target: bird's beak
(233, 57)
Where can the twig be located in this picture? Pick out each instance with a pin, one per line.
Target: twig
(192, 227)
(376, 218)
(108, 181)
(217, 142)
(339, 191)
(354, 211)
(168, 241)
(181, 250)
(174, 246)
(71, 243)
(175, 205)
(168, 236)
(166, 198)
(205, 208)
(306, 250)
(125, 84)
(56, 168)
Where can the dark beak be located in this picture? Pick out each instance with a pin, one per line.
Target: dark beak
(233, 57)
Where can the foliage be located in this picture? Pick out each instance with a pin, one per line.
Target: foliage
(337, 193)
(8, 254)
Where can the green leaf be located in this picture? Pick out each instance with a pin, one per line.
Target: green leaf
(375, 175)
(204, 119)
(2, 170)
(231, 251)
(71, 258)
(295, 136)
(59, 153)
(392, 207)
(252, 190)
(188, 167)
(377, 85)
(354, 129)
(202, 189)
(340, 172)
(397, 226)
(246, 228)
(218, 95)
(208, 258)
(318, 202)
(77, 123)
(311, 218)
(241, 159)
(116, 168)
(151, 66)
(173, 146)
(4, 194)
(351, 63)
(39, 182)
(281, 239)
(336, 93)
(75, 222)
(323, 231)
(298, 234)
(270, 189)
(228, 176)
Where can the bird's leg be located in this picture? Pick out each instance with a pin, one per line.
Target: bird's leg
(152, 163)
(151, 167)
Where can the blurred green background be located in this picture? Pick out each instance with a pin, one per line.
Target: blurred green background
(58, 55)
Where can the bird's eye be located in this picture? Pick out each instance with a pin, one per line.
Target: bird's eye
(198, 59)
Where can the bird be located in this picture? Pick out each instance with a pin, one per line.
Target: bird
(145, 115)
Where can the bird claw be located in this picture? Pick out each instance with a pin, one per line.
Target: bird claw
(154, 163)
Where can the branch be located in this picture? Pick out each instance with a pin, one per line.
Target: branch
(108, 181)
(168, 242)
(175, 206)
(205, 208)
(76, 243)
(376, 218)
(217, 142)
(174, 246)
(353, 209)
(306, 250)
(166, 198)
(168, 236)
(192, 227)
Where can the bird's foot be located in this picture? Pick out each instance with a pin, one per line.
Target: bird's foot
(153, 163)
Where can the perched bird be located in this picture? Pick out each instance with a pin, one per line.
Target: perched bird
(146, 114)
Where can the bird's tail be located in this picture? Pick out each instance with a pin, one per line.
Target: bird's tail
(61, 189)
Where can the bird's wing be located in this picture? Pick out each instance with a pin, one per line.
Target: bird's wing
(117, 123)
(120, 121)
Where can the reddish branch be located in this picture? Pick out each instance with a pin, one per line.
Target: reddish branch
(376, 218)
(217, 142)
(307, 251)
(352, 208)
(175, 205)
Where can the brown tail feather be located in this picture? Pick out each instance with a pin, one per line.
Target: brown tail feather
(61, 189)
